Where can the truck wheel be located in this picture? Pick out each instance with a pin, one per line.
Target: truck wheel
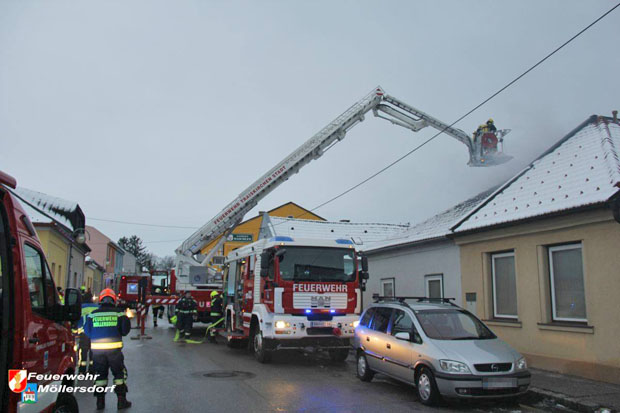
(339, 355)
(363, 371)
(262, 355)
(427, 388)
(66, 403)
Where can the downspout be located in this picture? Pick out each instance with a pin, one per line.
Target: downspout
(69, 265)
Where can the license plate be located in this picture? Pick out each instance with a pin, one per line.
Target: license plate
(320, 324)
(498, 383)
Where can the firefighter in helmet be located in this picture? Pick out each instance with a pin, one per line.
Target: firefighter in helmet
(158, 309)
(106, 327)
(216, 315)
(85, 356)
(185, 310)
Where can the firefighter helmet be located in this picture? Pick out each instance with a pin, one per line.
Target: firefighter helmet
(108, 292)
(214, 293)
(83, 288)
(490, 120)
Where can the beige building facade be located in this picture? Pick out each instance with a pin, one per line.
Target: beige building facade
(586, 343)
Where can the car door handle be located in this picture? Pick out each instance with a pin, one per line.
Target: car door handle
(388, 345)
(33, 340)
(367, 338)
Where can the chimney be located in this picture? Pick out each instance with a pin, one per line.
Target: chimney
(615, 115)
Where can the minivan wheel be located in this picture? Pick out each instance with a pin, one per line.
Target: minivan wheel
(364, 373)
(427, 388)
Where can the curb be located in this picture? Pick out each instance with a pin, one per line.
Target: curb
(582, 406)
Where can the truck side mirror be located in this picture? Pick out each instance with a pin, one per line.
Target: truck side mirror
(364, 264)
(364, 276)
(264, 264)
(72, 310)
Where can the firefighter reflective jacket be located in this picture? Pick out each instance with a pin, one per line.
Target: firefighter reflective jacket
(86, 310)
(216, 306)
(186, 306)
(106, 327)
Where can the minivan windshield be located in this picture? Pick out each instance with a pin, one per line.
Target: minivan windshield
(317, 264)
(451, 324)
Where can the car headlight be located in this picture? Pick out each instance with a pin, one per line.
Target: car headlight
(355, 323)
(521, 364)
(451, 366)
(282, 324)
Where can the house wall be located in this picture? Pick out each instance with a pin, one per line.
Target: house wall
(56, 250)
(76, 276)
(118, 262)
(130, 265)
(590, 349)
(409, 267)
(98, 244)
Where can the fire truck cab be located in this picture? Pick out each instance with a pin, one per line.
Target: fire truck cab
(294, 294)
(36, 332)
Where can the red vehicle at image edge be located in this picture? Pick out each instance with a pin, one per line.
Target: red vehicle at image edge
(36, 332)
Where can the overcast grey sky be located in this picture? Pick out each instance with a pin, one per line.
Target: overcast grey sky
(163, 111)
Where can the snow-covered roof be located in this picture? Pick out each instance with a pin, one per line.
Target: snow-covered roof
(360, 233)
(66, 212)
(436, 227)
(582, 169)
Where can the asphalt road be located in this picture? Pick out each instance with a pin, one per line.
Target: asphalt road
(178, 377)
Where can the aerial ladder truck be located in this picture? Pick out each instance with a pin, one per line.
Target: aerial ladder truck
(267, 298)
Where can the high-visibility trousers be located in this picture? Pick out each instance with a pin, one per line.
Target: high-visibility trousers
(104, 360)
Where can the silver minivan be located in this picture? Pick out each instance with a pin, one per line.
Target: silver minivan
(440, 348)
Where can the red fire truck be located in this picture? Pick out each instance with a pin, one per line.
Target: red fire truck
(200, 292)
(294, 294)
(36, 334)
(126, 287)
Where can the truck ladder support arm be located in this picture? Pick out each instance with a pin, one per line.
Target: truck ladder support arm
(392, 109)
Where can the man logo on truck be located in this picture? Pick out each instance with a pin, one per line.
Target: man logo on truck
(18, 379)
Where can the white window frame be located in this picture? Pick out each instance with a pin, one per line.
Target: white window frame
(433, 277)
(385, 281)
(572, 246)
(495, 313)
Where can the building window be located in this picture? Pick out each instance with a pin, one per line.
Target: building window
(434, 285)
(504, 285)
(568, 300)
(387, 287)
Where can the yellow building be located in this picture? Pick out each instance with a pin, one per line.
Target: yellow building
(56, 249)
(247, 231)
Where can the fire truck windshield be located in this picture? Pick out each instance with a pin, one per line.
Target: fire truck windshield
(317, 264)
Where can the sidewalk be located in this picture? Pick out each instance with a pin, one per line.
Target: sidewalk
(575, 393)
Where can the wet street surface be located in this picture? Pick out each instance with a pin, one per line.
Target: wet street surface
(178, 377)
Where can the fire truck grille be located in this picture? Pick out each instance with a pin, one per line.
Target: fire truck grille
(316, 300)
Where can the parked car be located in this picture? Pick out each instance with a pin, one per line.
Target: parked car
(440, 348)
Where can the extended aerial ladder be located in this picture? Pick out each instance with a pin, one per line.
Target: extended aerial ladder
(383, 106)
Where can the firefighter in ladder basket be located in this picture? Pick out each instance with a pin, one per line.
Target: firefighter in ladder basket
(216, 315)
